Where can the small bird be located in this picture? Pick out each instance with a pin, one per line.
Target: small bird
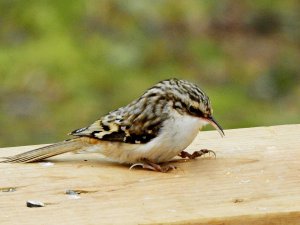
(148, 132)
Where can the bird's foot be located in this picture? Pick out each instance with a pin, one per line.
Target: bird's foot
(197, 154)
(147, 164)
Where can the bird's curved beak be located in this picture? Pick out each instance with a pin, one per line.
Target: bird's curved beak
(216, 125)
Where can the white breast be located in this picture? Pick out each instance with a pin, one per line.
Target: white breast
(176, 135)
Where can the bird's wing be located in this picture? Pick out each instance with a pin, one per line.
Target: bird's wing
(125, 125)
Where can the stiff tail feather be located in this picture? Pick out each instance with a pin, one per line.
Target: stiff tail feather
(46, 152)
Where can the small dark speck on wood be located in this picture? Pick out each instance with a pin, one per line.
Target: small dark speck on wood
(238, 200)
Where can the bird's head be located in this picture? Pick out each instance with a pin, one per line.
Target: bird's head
(190, 99)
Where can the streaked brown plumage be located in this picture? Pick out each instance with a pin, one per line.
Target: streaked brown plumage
(155, 127)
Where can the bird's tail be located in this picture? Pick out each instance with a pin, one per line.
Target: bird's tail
(48, 151)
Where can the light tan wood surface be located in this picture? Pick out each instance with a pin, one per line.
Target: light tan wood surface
(255, 179)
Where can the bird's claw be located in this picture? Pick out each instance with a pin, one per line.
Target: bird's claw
(197, 154)
(147, 164)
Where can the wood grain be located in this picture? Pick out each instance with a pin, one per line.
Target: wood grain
(255, 179)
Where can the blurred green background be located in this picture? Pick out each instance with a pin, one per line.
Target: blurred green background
(63, 64)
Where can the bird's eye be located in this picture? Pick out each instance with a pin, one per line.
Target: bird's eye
(197, 112)
(192, 109)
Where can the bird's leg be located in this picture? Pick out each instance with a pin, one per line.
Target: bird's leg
(149, 165)
(196, 154)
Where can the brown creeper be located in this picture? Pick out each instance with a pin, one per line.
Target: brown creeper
(151, 130)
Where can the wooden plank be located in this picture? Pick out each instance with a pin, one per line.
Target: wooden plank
(255, 179)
